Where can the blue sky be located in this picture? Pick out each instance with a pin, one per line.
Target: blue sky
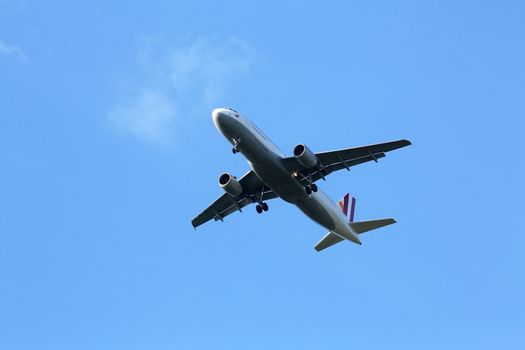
(108, 150)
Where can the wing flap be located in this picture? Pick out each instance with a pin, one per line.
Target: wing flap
(236, 206)
(363, 152)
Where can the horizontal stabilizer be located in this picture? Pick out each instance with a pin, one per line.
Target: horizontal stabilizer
(365, 226)
(357, 227)
(329, 240)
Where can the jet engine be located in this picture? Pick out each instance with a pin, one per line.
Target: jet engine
(230, 185)
(304, 156)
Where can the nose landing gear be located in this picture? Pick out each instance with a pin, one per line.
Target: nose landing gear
(236, 142)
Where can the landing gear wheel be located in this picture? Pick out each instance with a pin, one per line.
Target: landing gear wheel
(259, 209)
(234, 150)
(314, 187)
(308, 190)
(265, 207)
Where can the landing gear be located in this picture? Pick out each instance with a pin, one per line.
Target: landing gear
(258, 198)
(310, 188)
(261, 207)
(236, 143)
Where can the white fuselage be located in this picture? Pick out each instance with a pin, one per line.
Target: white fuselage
(265, 159)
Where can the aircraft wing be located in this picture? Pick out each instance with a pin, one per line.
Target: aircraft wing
(342, 159)
(226, 204)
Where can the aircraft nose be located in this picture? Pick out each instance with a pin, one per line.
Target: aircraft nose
(219, 117)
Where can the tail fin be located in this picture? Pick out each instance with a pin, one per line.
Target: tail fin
(347, 205)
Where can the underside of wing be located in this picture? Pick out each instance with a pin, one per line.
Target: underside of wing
(331, 161)
(253, 189)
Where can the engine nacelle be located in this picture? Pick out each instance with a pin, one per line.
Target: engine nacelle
(230, 185)
(304, 156)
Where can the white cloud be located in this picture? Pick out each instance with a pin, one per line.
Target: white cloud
(207, 66)
(11, 50)
(148, 117)
(186, 77)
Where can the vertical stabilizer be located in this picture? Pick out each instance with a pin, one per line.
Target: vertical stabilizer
(347, 205)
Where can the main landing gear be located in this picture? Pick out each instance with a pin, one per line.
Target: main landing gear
(310, 188)
(258, 197)
(261, 207)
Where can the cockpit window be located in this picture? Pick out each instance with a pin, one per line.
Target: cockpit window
(234, 111)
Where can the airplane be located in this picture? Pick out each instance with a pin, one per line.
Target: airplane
(274, 175)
